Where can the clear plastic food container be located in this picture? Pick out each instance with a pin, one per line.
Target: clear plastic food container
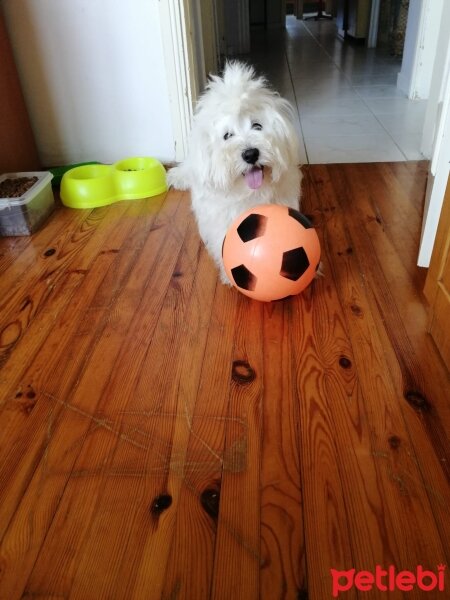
(26, 200)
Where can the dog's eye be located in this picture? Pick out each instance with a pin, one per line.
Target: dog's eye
(227, 135)
(257, 126)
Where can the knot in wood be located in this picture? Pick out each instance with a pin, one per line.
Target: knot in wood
(356, 310)
(49, 252)
(394, 441)
(28, 407)
(345, 362)
(26, 401)
(417, 401)
(242, 372)
(210, 500)
(160, 504)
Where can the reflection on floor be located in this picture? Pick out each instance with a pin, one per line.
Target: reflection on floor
(349, 107)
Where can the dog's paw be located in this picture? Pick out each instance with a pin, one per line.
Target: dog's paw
(224, 277)
(176, 178)
(320, 270)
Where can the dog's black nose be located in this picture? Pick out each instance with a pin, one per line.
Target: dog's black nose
(250, 155)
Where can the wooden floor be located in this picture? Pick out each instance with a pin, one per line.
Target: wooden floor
(164, 437)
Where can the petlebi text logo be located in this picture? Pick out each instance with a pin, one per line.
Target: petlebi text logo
(388, 580)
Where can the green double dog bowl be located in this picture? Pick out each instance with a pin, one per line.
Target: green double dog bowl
(94, 185)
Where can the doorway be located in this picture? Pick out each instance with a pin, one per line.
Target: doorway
(370, 119)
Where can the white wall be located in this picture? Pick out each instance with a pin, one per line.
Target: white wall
(424, 20)
(438, 77)
(437, 138)
(94, 78)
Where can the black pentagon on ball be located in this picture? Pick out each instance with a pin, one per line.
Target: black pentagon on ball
(295, 214)
(244, 278)
(294, 264)
(252, 227)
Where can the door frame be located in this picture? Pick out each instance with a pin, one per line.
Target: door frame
(182, 43)
(437, 137)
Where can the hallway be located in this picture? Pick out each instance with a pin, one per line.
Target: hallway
(349, 107)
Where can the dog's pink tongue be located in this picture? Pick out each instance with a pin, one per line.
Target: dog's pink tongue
(254, 178)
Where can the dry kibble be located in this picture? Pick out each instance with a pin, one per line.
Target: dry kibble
(15, 188)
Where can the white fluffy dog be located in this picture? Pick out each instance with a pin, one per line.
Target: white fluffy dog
(243, 151)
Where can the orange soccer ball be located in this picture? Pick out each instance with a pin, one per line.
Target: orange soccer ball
(271, 252)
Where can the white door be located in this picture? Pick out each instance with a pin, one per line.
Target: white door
(437, 133)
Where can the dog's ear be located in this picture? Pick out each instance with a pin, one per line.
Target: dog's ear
(285, 124)
(199, 157)
(195, 168)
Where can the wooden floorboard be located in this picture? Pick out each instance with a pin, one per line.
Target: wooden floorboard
(164, 437)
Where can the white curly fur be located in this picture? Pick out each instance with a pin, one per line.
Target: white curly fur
(238, 112)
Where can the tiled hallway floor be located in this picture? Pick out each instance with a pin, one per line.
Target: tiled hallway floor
(349, 107)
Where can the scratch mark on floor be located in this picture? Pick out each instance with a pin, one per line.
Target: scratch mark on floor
(165, 458)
